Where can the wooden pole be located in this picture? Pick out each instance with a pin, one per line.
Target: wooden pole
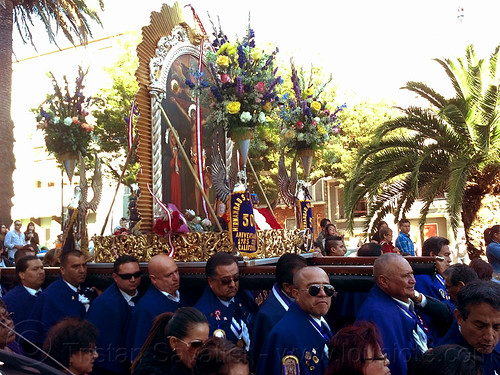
(261, 189)
(127, 161)
(193, 172)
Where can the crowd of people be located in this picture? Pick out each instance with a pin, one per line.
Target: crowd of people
(447, 322)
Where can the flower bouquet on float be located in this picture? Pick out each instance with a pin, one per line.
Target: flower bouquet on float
(241, 94)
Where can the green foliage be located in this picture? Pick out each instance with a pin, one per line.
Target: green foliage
(69, 17)
(113, 110)
(358, 123)
(451, 146)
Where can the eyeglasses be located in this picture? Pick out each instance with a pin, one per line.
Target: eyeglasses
(227, 280)
(381, 358)
(128, 276)
(195, 344)
(314, 289)
(89, 350)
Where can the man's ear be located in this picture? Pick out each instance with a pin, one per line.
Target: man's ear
(295, 292)
(288, 288)
(458, 316)
(152, 278)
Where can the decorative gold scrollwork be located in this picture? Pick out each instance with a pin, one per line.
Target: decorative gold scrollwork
(191, 247)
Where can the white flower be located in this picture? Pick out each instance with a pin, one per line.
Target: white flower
(68, 121)
(196, 220)
(262, 117)
(317, 119)
(56, 120)
(300, 136)
(190, 212)
(245, 117)
(206, 223)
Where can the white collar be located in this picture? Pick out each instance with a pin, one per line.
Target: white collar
(73, 288)
(226, 303)
(31, 290)
(175, 298)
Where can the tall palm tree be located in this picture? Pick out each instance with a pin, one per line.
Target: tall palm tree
(71, 17)
(449, 147)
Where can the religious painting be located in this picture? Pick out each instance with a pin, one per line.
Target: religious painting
(178, 182)
(175, 173)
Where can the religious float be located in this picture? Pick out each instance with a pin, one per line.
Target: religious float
(199, 103)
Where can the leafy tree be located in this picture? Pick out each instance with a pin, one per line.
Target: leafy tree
(357, 123)
(113, 111)
(450, 147)
(69, 17)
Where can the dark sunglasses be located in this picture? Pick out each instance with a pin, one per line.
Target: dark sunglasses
(227, 280)
(314, 289)
(128, 276)
(195, 344)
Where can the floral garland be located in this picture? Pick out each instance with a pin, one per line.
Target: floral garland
(307, 122)
(62, 117)
(242, 91)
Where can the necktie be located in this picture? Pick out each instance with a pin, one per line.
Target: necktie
(325, 331)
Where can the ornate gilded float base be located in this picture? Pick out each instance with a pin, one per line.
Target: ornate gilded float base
(191, 247)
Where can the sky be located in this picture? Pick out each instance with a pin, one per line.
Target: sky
(372, 48)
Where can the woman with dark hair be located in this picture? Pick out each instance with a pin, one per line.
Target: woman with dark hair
(7, 334)
(492, 240)
(446, 360)
(172, 343)
(221, 357)
(72, 343)
(355, 350)
(31, 236)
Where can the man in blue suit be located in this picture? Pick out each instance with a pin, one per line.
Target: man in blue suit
(111, 312)
(21, 298)
(434, 285)
(477, 325)
(62, 298)
(277, 303)
(162, 296)
(391, 304)
(229, 312)
(298, 343)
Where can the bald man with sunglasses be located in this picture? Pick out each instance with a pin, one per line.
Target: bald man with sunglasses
(300, 339)
(111, 313)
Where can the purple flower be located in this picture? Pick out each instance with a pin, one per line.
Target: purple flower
(216, 93)
(241, 56)
(190, 83)
(239, 87)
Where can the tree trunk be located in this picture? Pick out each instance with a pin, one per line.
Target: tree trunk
(481, 184)
(7, 160)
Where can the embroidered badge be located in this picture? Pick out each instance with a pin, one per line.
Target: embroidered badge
(307, 355)
(290, 365)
